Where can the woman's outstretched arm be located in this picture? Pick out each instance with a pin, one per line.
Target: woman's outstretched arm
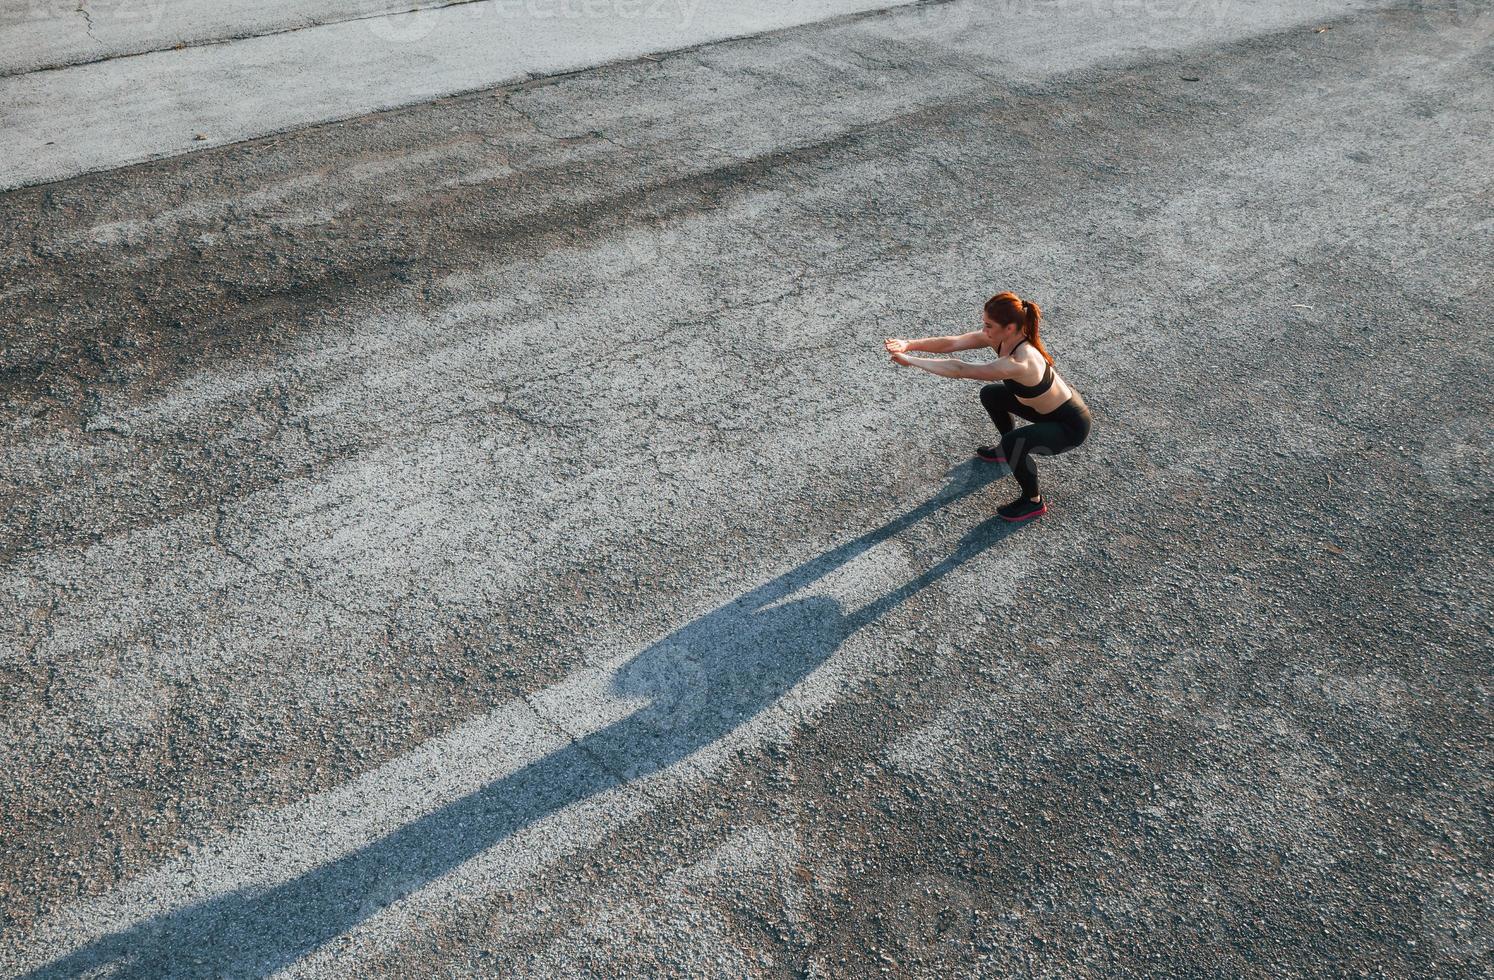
(937, 345)
(950, 367)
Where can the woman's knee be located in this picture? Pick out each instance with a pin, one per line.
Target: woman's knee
(993, 395)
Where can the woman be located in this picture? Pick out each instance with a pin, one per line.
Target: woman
(1025, 385)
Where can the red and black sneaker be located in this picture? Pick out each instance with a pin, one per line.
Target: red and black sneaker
(991, 454)
(1023, 509)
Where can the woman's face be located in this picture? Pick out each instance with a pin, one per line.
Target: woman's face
(996, 332)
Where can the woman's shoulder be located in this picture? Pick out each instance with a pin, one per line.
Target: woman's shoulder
(1029, 356)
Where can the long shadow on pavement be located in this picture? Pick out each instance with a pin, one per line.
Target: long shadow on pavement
(702, 681)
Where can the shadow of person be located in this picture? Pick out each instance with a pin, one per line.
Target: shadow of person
(701, 682)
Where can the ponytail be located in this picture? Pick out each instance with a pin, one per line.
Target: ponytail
(1008, 307)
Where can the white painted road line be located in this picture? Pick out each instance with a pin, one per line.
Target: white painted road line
(61, 123)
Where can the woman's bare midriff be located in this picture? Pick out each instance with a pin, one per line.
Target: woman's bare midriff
(1049, 400)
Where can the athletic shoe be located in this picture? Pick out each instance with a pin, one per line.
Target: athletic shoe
(1023, 509)
(991, 454)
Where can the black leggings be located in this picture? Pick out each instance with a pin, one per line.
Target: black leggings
(1061, 429)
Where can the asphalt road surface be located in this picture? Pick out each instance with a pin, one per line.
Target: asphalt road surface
(487, 537)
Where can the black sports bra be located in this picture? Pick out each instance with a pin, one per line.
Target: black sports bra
(1030, 391)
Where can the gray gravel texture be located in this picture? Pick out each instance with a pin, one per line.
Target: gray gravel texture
(316, 447)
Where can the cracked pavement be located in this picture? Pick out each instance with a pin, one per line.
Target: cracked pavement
(486, 537)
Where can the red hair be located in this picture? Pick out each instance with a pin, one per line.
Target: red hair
(1004, 308)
